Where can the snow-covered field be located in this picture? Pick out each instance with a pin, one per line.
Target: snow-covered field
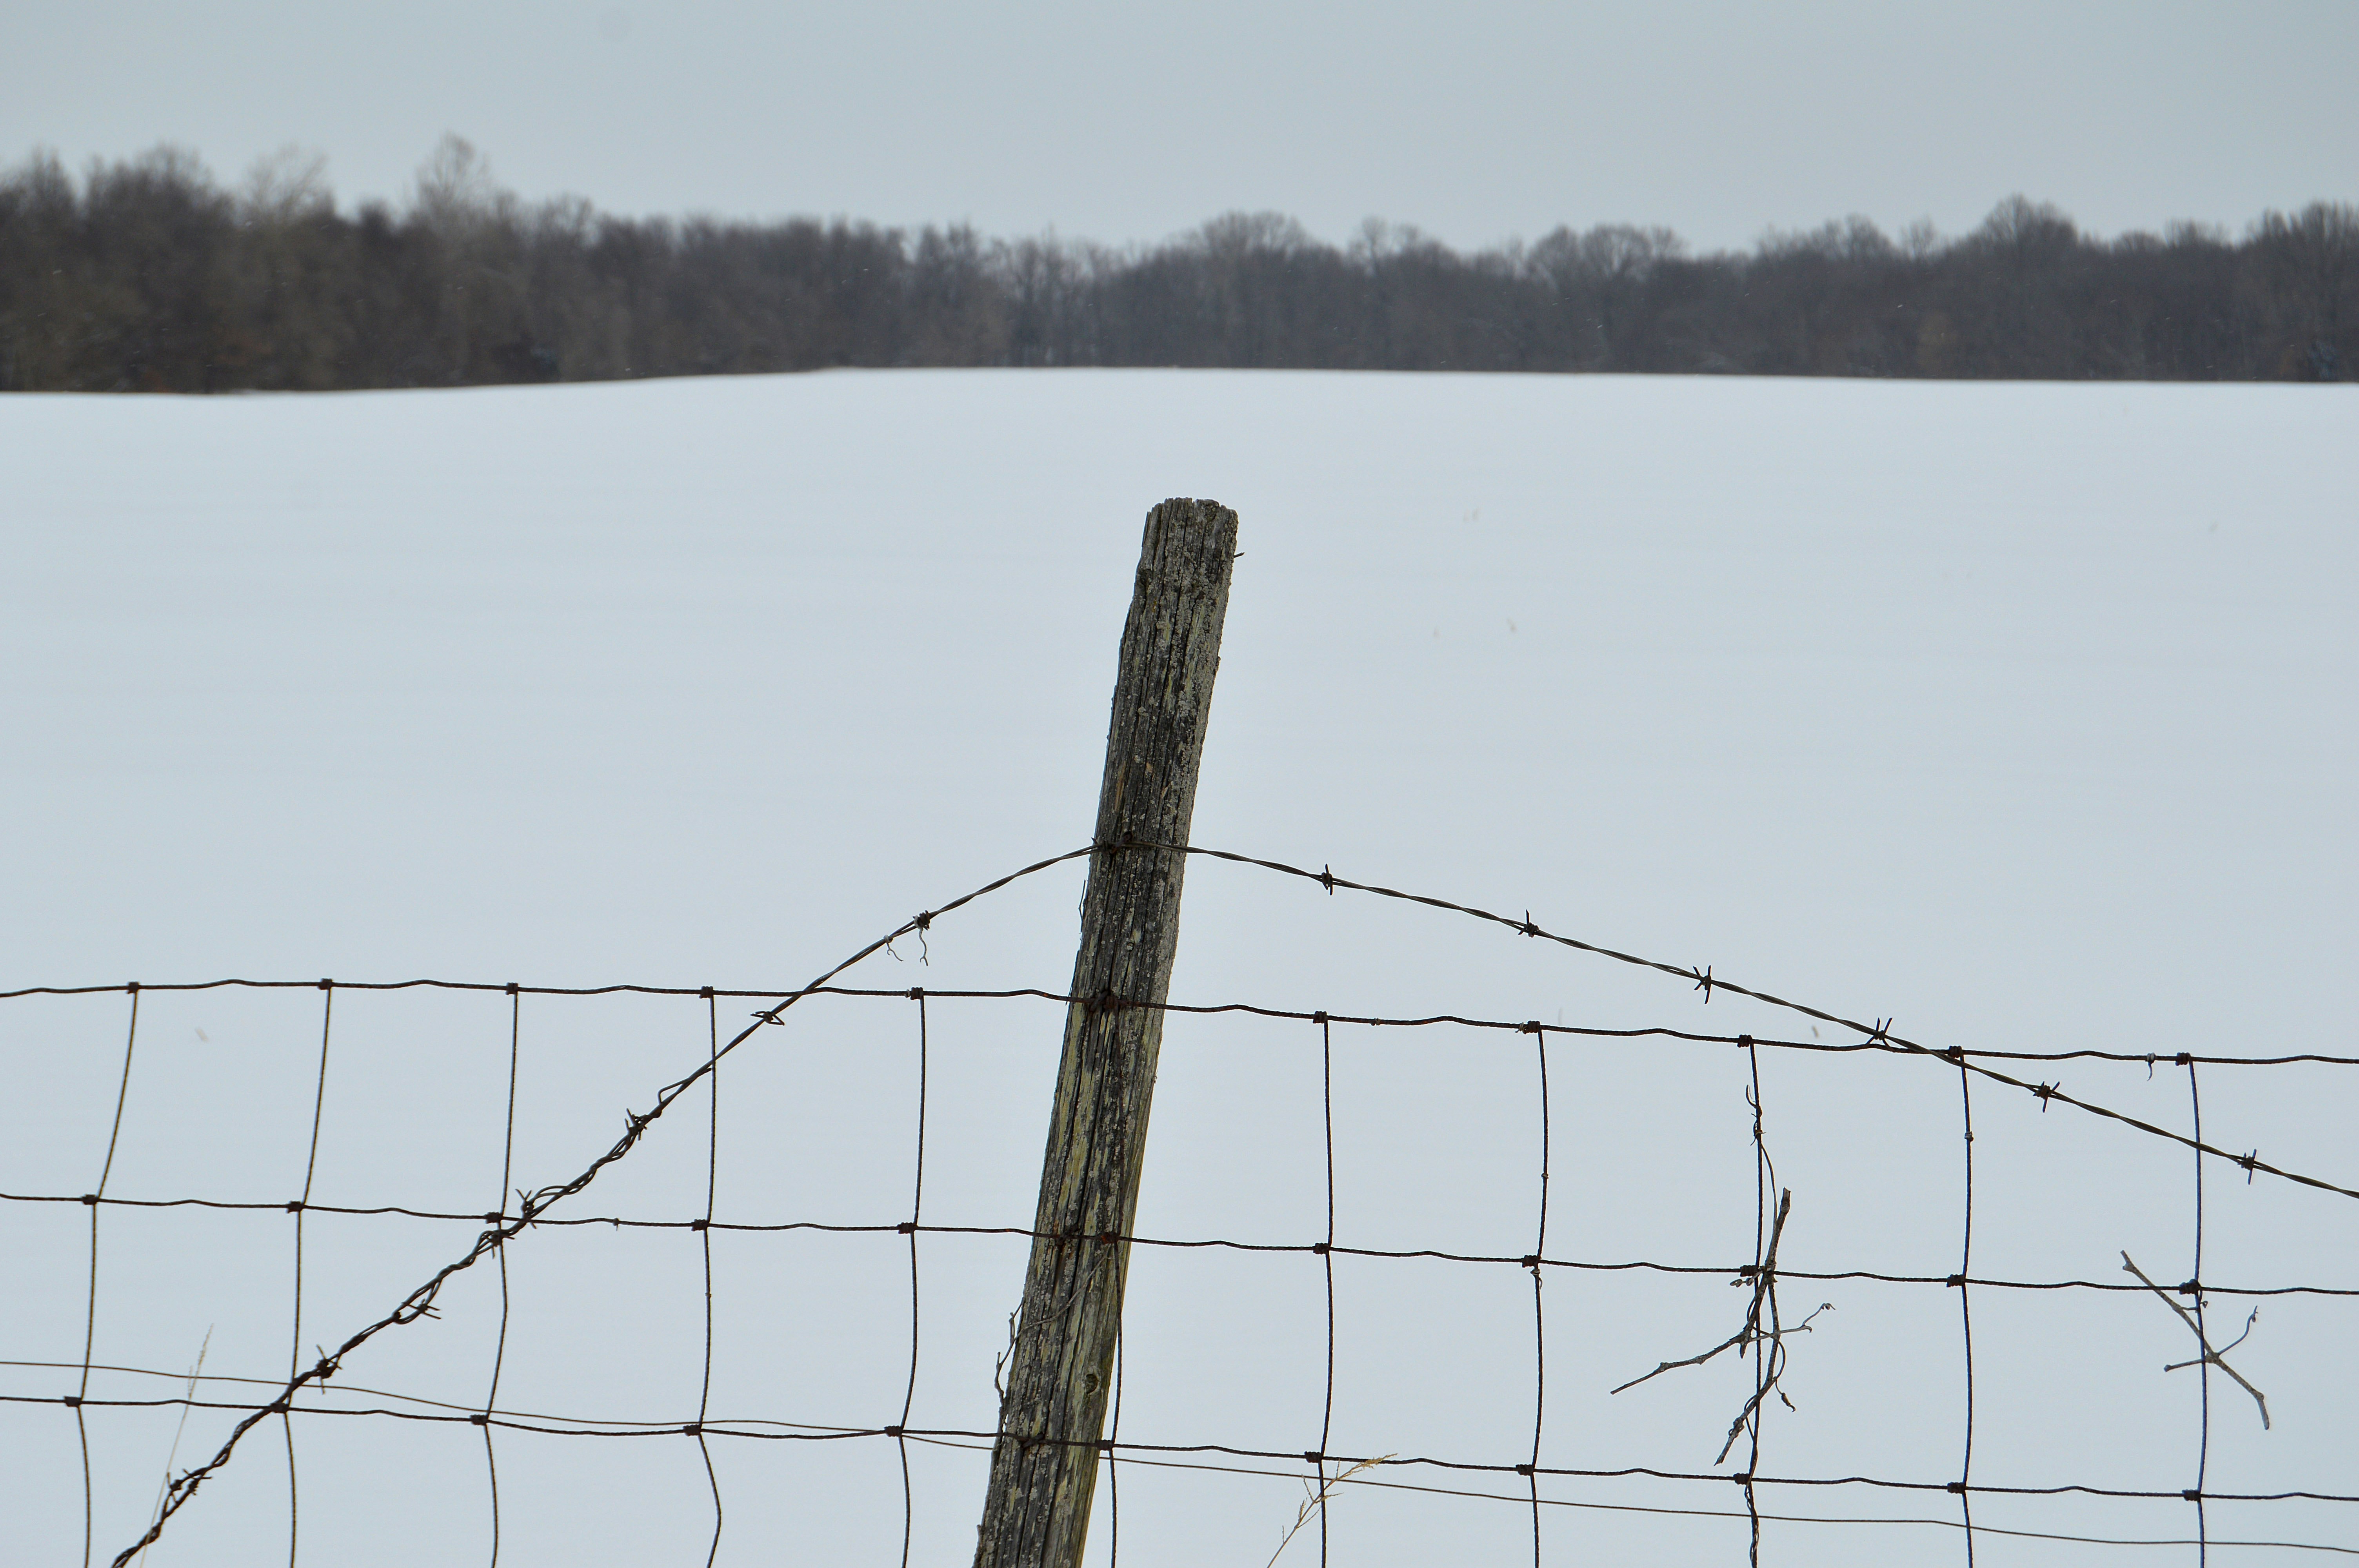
(2020, 715)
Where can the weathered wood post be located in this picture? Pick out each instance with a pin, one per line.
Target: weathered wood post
(1044, 1468)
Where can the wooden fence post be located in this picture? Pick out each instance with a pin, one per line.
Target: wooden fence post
(1044, 1465)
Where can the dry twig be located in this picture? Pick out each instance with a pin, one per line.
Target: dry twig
(1310, 1505)
(1762, 1305)
(2209, 1354)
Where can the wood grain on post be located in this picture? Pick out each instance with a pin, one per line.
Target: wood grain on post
(1044, 1466)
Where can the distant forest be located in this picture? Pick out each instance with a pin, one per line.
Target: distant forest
(147, 276)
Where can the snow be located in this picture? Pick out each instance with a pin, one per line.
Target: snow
(2019, 714)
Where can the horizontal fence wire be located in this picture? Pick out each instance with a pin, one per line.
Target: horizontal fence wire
(1767, 1043)
(1762, 1332)
(553, 1427)
(1878, 1040)
(1313, 1249)
(1139, 1454)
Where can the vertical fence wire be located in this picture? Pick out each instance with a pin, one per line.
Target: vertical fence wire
(704, 1233)
(1965, 1309)
(1114, 1489)
(1762, 1187)
(2202, 1337)
(1327, 1257)
(90, 1322)
(498, 1218)
(916, 1214)
(1539, 1317)
(295, 1346)
(1113, 1470)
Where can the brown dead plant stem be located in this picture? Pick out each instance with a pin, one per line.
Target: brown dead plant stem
(1317, 1500)
(2194, 1328)
(1761, 1311)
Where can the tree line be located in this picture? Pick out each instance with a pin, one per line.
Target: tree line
(147, 274)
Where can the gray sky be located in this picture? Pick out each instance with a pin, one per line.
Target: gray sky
(1128, 123)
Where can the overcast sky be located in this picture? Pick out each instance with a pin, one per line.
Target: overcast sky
(1127, 122)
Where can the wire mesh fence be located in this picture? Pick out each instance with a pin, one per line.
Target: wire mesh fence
(1405, 1327)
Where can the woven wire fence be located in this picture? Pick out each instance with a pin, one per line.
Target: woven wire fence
(331, 1429)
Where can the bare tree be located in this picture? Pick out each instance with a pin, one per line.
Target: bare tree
(286, 185)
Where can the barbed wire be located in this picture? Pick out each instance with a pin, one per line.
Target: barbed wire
(1878, 1039)
(1323, 1018)
(420, 1302)
(2045, 1092)
(1762, 1333)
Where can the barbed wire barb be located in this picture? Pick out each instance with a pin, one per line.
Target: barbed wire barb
(1702, 980)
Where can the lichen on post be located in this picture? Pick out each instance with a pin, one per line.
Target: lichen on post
(1044, 1464)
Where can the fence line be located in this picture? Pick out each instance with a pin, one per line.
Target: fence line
(1761, 1334)
(586, 1427)
(734, 1427)
(1832, 1048)
(1339, 1249)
